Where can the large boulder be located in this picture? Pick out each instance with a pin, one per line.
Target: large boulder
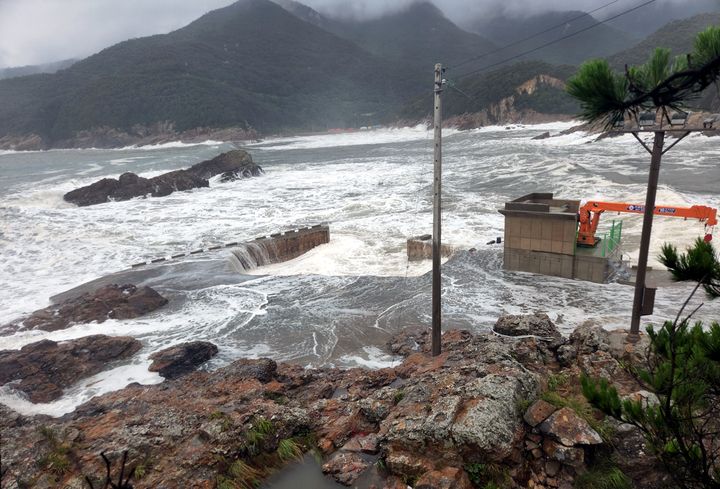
(109, 302)
(232, 165)
(176, 361)
(42, 369)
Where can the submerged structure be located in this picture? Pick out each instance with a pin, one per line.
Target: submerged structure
(541, 237)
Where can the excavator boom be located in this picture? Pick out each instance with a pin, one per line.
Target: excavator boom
(589, 216)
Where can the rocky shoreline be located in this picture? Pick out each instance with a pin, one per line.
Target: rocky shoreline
(138, 135)
(488, 409)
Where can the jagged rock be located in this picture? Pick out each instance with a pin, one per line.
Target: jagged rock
(457, 408)
(346, 468)
(262, 369)
(566, 427)
(537, 324)
(232, 165)
(571, 456)
(109, 302)
(42, 369)
(538, 412)
(409, 341)
(407, 463)
(176, 361)
(544, 135)
(352, 446)
(447, 478)
(636, 459)
(369, 443)
(589, 339)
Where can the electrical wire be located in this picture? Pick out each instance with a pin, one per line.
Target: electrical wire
(533, 36)
(553, 42)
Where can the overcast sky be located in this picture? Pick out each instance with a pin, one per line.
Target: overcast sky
(42, 31)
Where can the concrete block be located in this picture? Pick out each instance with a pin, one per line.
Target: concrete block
(525, 227)
(535, 244)
(546, 230)
(546, 245)
(515, 242)
(525, 244)
(568, 248)
(557, 231)
(536, 229)
(557, 246)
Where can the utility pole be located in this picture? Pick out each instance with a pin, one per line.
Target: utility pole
(437, 214)
(637, 310)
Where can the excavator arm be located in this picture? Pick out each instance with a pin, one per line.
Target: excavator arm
(589, 216)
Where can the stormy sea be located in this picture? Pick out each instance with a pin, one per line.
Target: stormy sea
(339, 303)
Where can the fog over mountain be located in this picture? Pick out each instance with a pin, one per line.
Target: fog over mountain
(37, 31)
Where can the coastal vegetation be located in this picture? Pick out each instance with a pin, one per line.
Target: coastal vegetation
(681, 417)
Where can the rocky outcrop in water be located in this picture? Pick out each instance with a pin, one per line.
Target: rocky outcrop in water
(469, 415)
(42, 370)
(179, 360)
(232, 165)
(109, 302)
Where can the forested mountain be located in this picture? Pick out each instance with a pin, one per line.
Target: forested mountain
(35, 69)
(677, 36)
(589, 42)
(481, 92)
(256, 63)
(249, 63)
(420, 35)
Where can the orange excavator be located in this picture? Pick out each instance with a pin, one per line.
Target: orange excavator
(589, 216)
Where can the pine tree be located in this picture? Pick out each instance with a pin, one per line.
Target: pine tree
(682, 421)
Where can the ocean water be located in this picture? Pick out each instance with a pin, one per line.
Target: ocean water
(339, 303)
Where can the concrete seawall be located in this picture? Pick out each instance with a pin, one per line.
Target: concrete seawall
(265, 250)
(421, 248)
(279, 247)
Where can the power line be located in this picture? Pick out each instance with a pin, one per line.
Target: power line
(533, 36)
(553, 42)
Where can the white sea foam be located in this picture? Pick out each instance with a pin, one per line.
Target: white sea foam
(375, 191)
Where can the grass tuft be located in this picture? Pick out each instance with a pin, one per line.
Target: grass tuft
(289, 449)
(603, 474)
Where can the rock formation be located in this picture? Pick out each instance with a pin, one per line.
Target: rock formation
(177, 361)
(468, 416)
(41, 370)
(109, 302)
(232, 165)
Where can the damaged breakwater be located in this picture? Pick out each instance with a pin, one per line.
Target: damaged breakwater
(265, 250)
(431, 421)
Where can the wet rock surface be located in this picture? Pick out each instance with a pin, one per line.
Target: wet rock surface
(427, 420)
(42, 370)
(176, 361)
(109, 302)
(232, 165)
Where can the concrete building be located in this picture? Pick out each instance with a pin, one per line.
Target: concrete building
(541, 235)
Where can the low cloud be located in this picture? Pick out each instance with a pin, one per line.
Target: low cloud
(42, 31)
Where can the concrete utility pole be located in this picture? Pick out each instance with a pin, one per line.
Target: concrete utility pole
(437, 214)
(637, 310)
(642, 303)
